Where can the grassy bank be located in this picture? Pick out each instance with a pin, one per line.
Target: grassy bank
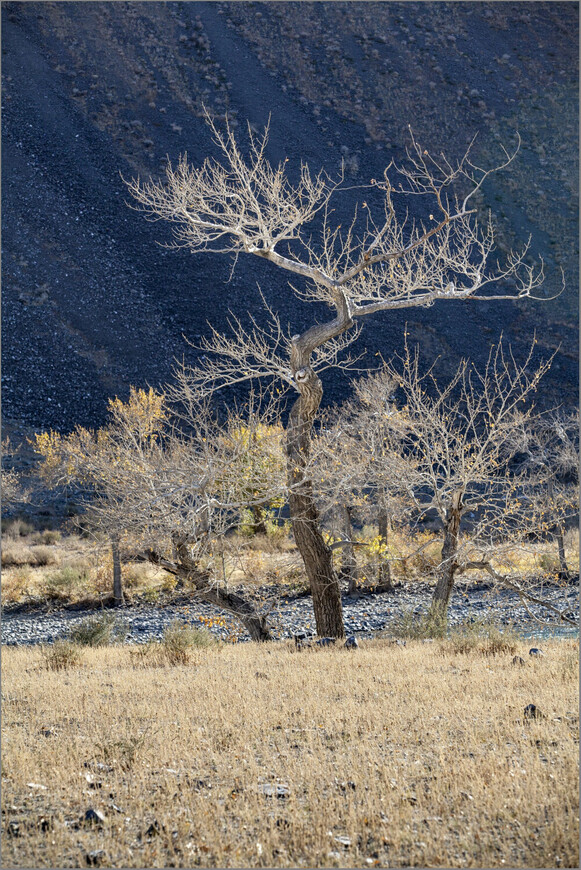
(258, 755)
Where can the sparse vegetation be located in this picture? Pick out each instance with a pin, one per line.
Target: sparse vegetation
(98, 631)
(480, 636)
(62, 584)
(262, 756)
(180, 640)
(425, 625)
(61, 655)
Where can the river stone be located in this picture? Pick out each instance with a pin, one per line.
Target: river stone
(533, 712)
(534, 651)
(94, 816)
(351, 642)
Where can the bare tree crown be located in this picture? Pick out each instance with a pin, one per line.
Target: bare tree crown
(244, 205)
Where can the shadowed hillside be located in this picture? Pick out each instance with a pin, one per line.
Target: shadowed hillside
(96, 91)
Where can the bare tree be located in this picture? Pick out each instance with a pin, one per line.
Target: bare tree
(450, 449)
(378, 263)
(355, 467)
(549, 450)
(173, 484)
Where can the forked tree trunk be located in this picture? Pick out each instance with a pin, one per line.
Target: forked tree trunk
(185, 569)
(384, 572)
(118, 597)
(315, 553)
(348, 570)
(448, 564)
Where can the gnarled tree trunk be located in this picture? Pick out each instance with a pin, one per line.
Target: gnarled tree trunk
(186, 569)
(448, 564)
(315, 553)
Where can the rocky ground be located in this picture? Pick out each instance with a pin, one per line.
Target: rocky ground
(93, 92)
(291, 615)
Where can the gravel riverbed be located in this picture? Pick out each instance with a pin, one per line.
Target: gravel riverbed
(363, 616)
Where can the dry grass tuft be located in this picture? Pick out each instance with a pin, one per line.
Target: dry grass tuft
(61, 655)
(260, 756)
(482, 637)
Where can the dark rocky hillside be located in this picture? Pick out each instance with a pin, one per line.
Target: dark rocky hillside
(96, 91)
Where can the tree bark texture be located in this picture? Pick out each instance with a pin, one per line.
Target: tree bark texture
(448, 564)
(186, 570)
(315, 553)
(384, 572)
(118, 597)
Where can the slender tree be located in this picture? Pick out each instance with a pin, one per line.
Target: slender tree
(381, 262)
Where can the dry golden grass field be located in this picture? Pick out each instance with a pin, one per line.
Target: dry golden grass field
(261, 756)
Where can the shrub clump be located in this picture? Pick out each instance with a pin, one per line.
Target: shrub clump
(179, 640)
(482, 636)
(420, 626)
(61, 656)
(61, 584)
(98, 631)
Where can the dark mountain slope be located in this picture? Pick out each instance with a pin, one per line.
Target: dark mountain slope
(91, 91)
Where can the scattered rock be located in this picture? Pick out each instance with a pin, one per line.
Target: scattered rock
(533, 712)
(535, 652)
(301, 641)
(279, 790)
(518, 660)
(92, 782)
(398, 643)
(154, 829)
(326, 641)
(351, 642)
(94, 817)
(96, 858)
(13, 829)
